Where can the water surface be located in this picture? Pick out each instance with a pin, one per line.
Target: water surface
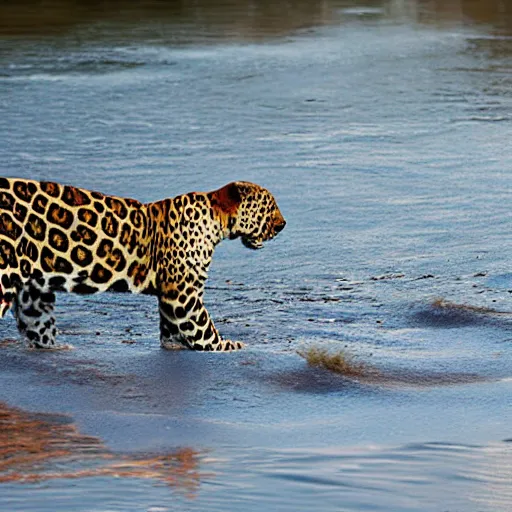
(383, 129)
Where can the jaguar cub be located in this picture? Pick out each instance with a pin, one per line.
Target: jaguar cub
(59, 238)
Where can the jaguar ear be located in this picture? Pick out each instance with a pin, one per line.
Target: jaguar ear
(228, 198)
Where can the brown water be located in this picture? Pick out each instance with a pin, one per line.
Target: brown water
(383, 128)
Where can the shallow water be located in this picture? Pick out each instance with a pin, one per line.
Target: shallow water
(383, 129)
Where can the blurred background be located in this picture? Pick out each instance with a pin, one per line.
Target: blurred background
(238, 18)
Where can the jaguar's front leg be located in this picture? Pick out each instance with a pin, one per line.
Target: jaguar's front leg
(190, 325)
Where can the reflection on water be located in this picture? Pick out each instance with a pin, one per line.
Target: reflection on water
(41, 447)
(37, 448)
(242, 18)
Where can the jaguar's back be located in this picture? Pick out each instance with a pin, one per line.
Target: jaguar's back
(86, 240)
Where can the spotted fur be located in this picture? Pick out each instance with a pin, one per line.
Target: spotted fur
(58, 238)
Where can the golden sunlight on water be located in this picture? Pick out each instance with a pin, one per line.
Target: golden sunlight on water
(41, 447)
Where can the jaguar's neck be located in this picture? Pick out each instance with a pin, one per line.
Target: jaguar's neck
(183, 233)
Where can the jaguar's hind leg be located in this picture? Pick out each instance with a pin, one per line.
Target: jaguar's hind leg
(5, 305)
(8, 291)
(34, 315)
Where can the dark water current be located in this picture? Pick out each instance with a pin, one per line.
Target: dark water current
(383, 128)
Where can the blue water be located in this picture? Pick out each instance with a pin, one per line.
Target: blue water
(384, 131)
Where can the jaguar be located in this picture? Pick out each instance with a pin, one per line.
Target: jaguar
(61, 238)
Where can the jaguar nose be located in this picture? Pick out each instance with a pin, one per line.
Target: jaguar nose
(279, 227)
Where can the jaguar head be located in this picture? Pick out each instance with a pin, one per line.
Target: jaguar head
(251, 213)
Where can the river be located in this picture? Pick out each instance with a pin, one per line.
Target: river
(383, 129)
